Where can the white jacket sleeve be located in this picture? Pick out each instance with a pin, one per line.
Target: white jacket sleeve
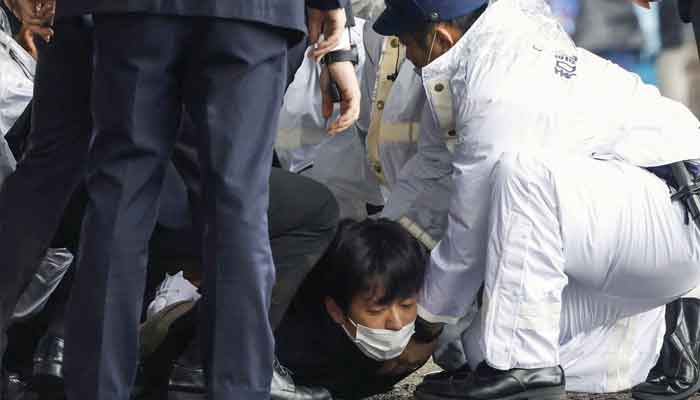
(422, 190)
(456, 270)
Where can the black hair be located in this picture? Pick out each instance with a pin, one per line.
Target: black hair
(371, 255)
(462, 23)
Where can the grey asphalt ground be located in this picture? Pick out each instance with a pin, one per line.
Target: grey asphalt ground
(404, 390)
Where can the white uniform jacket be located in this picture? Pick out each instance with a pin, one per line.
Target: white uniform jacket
(406, 151)
(516, 83)
(16, 77)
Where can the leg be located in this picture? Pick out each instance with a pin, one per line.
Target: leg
(236, 128)
(33, 198)
(607, 225)
(600, 351)
(303, 216)
(136, 105)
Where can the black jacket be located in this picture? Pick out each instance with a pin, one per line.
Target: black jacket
(288, 14)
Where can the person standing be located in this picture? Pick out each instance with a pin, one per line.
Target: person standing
(152, 59)
(61, 133)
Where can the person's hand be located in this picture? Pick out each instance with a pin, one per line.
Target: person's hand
(643, 3)
(330, 23)
(26, 35)
(33, 12)
(343, 74)
(414, 356)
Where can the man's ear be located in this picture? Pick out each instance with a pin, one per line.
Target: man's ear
(446, 36)
(334, 310)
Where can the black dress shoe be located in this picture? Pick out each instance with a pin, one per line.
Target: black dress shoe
(283, 387)
(491, 384)
(163, 338)
(47, 374)
(676, 376)
(13, 387)
(188, 379)
(191, 379)
(445, 377)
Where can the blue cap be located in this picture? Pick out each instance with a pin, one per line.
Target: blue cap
(402, 16)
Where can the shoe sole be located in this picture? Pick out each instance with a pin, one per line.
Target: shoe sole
(681, 396)
(153, 332)
(186, 389)
(557, 393)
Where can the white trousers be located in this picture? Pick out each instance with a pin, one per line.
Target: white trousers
(606, 227)
(614, 356)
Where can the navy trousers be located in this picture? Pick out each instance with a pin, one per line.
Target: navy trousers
(32, 199)
(229, 76)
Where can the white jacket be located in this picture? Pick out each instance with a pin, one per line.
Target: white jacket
(406, 151)
(16, 77)
(516, 83)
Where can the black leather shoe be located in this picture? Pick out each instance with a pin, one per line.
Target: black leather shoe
(188, 379)
(676, 376)
(12, 386)
(491, 384)
(283, 387)
(191, 380)
(47, 374)
(445, 377)
(163, 338)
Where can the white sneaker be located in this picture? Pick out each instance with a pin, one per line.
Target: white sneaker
(174, 289)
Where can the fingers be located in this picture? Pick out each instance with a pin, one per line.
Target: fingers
(34, 12)
(331, 23)
(44, 32)
(343, 74)
(315, 24)
(326, 98)
(26, 40)
(331, 37)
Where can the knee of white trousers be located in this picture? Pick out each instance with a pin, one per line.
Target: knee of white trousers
(518, 168)
(524, 266)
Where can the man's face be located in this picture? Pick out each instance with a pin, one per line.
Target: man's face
(366, 310)
(422, 49)
(416, 50)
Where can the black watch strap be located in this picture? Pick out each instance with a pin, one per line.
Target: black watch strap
(342, 55)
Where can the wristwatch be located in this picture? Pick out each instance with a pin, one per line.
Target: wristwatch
(342, 55)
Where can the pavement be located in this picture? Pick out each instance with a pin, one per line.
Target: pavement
(403, 391)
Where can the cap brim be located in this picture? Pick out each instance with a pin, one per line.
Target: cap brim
(391, 22)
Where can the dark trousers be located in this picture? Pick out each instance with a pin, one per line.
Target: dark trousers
(303, 215)
(32, 199)
(230, 76)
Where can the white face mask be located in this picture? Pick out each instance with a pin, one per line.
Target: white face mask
(381, 344)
